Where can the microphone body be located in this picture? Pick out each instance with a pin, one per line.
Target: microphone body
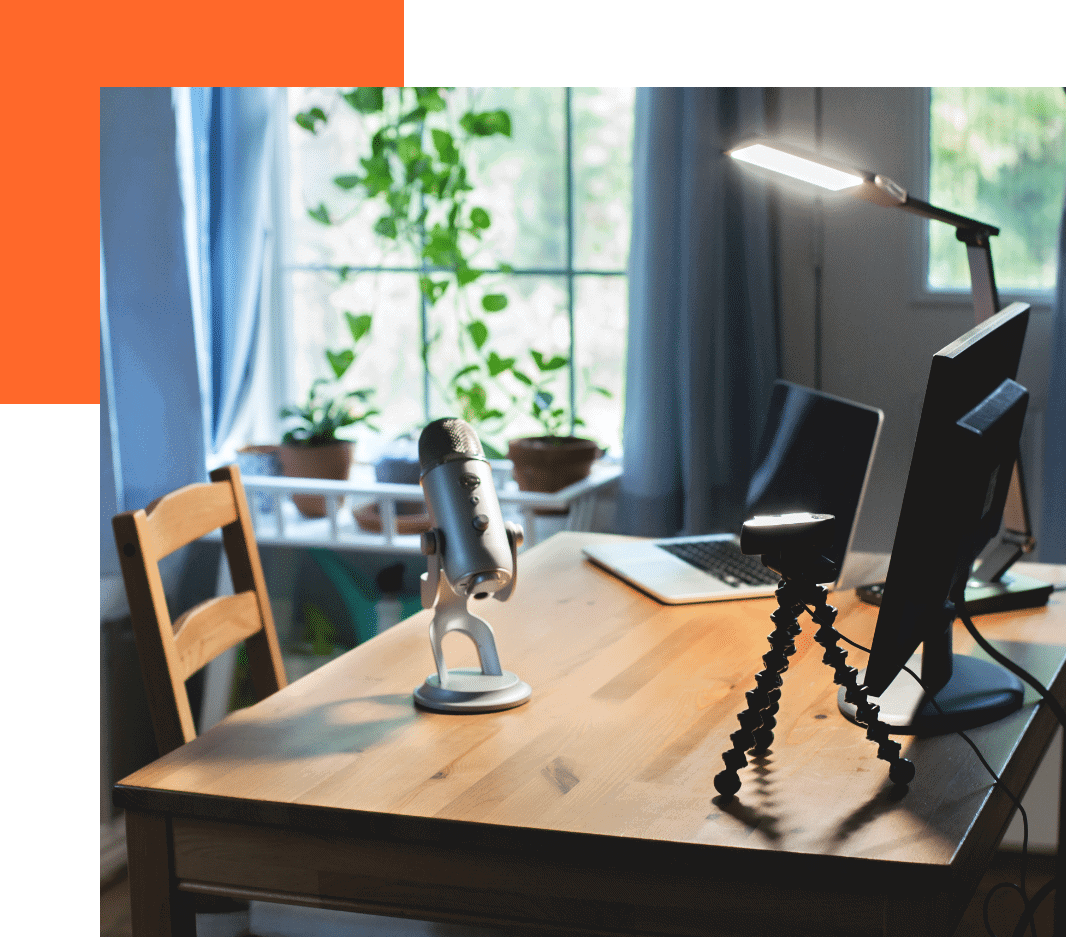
(462, 504)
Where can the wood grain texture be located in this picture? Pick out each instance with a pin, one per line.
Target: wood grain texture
(214, 626)
(186, 515)
(608, 768)
(156, 905)
(169, 651)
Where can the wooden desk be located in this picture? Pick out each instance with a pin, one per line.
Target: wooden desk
(591, 809)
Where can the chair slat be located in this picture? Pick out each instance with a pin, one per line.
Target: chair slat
(170, 654)
(213, 627)
(186, 515)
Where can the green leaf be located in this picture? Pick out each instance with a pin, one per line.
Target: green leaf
(494, 302)
(486, 123)
(463, 372)
(553, 365)
(465, 274)
(378, 174)
(310, 119)
(522, 376)
(320, 214)
(479, 218)
(409, 149)
(432, 289)
(602, 390)
(358, 325)
(441, 248)
(430, 99)
(542, 400)
(340, 361)
(479, 333)
(413, 116)
(347, 182)
(386, 226)
(506, 268)
(445, 144)
(498, 365)
(366, 100)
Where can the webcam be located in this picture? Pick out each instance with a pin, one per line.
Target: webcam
(792, 545)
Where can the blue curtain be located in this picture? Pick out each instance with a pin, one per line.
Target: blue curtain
(702, 344)
(240, 171)
(185, 228)
(148, 316)
(1052, 545)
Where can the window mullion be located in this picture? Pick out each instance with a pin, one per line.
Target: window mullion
(572, 366)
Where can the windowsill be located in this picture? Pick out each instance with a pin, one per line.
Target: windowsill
(1040, 302)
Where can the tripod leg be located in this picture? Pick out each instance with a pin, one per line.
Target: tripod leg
(757, 721)
(782, 646)
(900, 770)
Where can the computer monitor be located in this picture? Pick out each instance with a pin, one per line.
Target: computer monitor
(964, 453)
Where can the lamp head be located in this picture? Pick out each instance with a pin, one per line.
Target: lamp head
(812, 168)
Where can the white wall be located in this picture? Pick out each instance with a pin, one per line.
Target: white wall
(878, 331)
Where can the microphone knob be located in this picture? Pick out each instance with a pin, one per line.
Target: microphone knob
(480, 522)
(429, 542)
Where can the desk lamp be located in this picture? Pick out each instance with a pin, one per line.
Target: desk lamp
(989, 590)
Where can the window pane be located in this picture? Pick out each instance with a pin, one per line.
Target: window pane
(315, 160)
(600, 318)
(536, 318)
(998, 155)
(603, 175)
(521, 180)
(388, 362)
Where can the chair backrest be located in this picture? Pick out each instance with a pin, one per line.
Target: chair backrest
(171, 651)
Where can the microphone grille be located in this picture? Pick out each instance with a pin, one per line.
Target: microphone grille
(446, 439)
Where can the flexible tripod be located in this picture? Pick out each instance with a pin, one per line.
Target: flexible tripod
(799, 562)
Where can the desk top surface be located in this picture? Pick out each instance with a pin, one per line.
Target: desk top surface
(633, 704)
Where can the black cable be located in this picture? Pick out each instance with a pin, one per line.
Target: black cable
(1029, 906)
(1053, 704)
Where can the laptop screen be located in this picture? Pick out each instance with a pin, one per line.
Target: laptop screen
(814, 456)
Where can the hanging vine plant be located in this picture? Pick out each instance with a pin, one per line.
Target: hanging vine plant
(416, 171)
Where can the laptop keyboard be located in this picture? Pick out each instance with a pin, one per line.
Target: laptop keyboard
(723, 560)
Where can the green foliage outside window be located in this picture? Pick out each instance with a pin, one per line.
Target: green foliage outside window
(998, 155)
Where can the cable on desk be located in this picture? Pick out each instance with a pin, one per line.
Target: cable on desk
(1029, 905)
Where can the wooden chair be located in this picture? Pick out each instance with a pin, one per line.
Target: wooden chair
(171, 651)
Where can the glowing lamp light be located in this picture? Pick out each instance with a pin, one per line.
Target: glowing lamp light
(797, 167)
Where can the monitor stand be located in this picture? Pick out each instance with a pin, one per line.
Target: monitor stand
(1010, 592)
(978, 693)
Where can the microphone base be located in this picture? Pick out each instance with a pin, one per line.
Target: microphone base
(468, 690)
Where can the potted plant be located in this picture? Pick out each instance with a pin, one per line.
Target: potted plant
(312, 448)
(554, 459)
(417, 171)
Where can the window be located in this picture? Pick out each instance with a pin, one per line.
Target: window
(998, 155)
(557, 191)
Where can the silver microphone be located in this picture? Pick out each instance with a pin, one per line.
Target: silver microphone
(469, 533)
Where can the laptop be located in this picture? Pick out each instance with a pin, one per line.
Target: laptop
(815, 455)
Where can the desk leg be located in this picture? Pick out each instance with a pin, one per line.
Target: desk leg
(158, 908)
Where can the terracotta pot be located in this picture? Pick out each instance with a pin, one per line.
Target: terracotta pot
(550, 463)
(330, 461)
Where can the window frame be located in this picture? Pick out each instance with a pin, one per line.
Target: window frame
(922, 293)
(567, 272)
